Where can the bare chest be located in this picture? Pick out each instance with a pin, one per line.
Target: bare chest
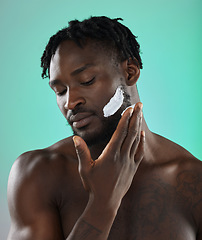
(153, 214)
(150, 210)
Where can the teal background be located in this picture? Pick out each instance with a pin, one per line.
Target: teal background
(170, 86)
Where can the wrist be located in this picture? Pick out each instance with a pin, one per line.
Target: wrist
(104, 205)
(100, 213)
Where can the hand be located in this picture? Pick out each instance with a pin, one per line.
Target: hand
(109, 177)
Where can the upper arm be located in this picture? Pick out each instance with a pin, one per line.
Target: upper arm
(198, 215)
(33, 213)
(193, 182)
(197, 207)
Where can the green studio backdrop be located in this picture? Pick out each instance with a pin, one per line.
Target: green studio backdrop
(170, 86)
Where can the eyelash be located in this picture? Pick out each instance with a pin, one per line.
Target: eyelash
(88, 83)
(84, 84)
(61, 93)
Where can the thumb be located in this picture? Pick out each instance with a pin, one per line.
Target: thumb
(84, 156)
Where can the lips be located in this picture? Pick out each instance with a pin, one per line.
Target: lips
(80, 120)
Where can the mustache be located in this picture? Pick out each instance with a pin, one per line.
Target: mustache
(76, 110)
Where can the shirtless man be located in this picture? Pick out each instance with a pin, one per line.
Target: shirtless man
(115, 179)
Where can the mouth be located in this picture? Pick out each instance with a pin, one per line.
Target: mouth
(81, 120)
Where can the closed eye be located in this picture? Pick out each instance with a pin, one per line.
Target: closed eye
(88, 82)
(61, 93)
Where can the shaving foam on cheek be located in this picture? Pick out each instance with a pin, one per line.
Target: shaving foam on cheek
(114, 104)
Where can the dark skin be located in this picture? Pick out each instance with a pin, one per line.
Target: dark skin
(128, 187)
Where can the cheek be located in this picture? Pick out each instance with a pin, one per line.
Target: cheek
(61, 103)
(114, 104)
(98, 100)
(108, 100)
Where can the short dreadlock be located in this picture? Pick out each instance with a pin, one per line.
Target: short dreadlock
(102, 29)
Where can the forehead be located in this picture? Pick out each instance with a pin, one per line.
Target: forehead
(70, 55)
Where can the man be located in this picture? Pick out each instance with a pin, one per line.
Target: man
(114, 179)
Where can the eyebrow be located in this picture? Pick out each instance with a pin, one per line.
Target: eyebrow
(54, 82)
(75, 72)
(81, 69)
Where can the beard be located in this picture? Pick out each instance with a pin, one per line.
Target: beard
(103, 134)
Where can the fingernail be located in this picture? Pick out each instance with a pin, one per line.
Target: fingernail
(76, 141)
(130, 111)
(138, 106)
(132, 106)
(143, 133)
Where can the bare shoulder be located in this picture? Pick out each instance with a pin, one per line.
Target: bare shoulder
(34, 191)
(178, 162)
(42, 167)
(186, 171)
(189, 185)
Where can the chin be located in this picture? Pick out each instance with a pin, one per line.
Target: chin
(91, 137)
(98, 134)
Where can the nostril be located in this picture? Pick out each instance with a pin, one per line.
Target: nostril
(74, 103)
(73, 98)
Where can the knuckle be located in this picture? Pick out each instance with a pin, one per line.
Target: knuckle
(123, 131)
(132, 132)
(138, 138)
(81, 152)
(124, 152)
(115, 156)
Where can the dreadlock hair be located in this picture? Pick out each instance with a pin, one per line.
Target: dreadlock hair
(108, 32)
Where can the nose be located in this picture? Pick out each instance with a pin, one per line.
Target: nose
(73, 99)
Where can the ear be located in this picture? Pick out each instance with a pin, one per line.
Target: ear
(132, 71)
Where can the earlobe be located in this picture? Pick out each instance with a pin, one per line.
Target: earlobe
(133, 71)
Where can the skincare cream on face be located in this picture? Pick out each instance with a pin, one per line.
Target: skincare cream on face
(114, 103)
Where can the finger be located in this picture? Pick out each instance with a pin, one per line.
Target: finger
(84, 158)
(132, 139)
(141, 149)
(120, 133)
(136, 139)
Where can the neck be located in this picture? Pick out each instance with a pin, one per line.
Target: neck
(150, 144)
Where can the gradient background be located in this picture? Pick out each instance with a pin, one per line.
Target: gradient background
(170, 86)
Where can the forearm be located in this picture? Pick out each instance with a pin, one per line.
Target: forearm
(84, 230)
(95, 223)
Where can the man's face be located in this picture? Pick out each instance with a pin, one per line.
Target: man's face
(84, 81)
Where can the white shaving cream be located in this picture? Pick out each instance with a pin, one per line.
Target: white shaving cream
(114, 103)
(127, 108)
